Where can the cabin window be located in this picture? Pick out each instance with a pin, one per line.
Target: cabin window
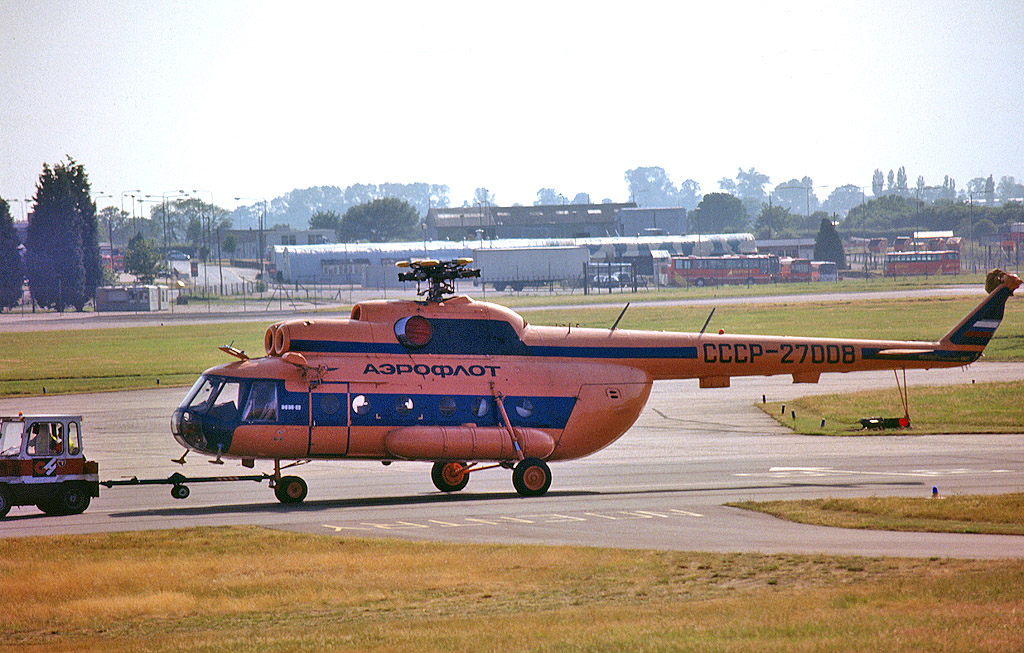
(404, 405)
(360, 405)
(447, 406)
(330, 404)
(262, 404)
(46, 439)
(524, 407)
(74, 439)
(480, 406)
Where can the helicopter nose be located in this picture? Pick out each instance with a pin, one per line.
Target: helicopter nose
(187, 429)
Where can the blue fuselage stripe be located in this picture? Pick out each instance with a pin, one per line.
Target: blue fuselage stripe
(619, 353)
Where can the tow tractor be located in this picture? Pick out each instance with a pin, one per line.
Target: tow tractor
(42, 463)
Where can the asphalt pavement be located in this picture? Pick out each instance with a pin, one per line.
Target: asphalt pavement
(663, 485)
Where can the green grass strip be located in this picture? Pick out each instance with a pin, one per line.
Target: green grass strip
(998, 514)
(976, 408)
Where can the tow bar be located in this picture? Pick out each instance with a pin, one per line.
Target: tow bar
(178, 481)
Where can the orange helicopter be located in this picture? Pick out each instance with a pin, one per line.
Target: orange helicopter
(470, 385)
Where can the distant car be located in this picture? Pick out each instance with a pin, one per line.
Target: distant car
(175, 255)
(616, 279)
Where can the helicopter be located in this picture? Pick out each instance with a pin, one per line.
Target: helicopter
(470, 385)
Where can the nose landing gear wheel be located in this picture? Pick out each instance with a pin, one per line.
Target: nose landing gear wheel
(449, 477)
(290, 489)
(531, 477)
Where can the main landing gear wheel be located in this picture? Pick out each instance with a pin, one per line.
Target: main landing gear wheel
(290, 489)
(449, 477)
(531, 477)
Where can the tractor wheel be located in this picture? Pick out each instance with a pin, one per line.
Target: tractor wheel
(71, 499)
(5, 502)
(449, 477)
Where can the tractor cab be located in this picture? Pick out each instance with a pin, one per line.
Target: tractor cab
(42, 464)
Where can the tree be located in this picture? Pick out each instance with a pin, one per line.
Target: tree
(1009, 189)
(12, 272)
(719, 213)
(828, 246)
(379, 221)
(797, 195)
(483, 197)
(548, 197)
(325, 220)
(581, 198)
(231, 243)
(843, 198)
(142, 258)
(689, 194)
(650, 187)
(774, 222)
(63, 259)
(877, 183)
(890, 183)
(901, 182)
(976, 187)
(749, 187)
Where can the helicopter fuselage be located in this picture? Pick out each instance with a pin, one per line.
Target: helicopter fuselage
(461, 380)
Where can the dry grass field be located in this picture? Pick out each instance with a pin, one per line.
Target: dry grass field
(244, 589)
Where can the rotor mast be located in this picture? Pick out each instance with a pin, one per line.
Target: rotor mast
(439, 275)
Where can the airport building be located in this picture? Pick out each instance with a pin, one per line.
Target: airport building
(371, 265)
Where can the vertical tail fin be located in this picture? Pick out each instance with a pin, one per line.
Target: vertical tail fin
(975, 330)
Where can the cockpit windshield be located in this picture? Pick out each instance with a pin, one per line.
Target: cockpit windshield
(199, 397)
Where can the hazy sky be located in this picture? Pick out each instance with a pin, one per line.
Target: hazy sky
(257, 98)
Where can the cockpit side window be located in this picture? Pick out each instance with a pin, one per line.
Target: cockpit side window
(225, 405)
(262, 404)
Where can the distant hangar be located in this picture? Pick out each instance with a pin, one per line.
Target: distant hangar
(371, 265)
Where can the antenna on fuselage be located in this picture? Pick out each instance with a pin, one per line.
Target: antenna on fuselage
(439, 275)
(620, 316)
(707, 321)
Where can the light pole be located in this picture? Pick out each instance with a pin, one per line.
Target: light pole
(163, 198)
(130, 193)
(262, 219)
(110, 232)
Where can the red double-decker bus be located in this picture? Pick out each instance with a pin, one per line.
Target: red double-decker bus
(922, 263)
(714, 270)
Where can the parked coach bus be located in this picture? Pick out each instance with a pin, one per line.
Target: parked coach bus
(917, 263)
(824, 271)
(714, 270)
(794, 269)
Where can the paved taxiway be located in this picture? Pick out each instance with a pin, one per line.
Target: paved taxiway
(662, 485)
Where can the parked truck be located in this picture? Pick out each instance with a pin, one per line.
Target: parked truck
(521, 267)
